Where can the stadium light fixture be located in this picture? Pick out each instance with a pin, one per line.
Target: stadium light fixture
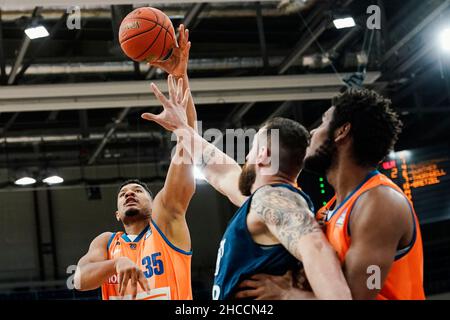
(36, 32)
(341, 23)
(54, 179)
(25, 181)
(444, 38)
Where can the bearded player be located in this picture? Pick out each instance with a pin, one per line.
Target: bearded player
(370, 222)
(152, 258)
(274, 227)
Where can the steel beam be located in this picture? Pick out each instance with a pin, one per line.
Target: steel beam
(42, 45)
(302, 45)
(15, 5)
(261, 35)
(138, 94)
(2, 55)
(23, 50)
(108, 135)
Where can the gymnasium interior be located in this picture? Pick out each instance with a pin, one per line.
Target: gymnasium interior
(71, 100)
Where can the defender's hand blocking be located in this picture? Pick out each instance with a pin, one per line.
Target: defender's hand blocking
(174, 114)
(177, 63)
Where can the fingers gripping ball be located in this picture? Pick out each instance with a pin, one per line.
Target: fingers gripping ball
(146, 34)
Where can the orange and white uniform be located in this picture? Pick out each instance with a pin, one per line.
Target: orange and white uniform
(166, 267)
(405, 278)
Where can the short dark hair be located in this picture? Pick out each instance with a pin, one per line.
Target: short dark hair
(136, 181)
(375, 126)
(294, 139)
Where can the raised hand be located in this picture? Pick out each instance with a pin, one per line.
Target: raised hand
(174, 115)
(177, 63)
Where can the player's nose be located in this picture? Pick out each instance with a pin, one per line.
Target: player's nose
(129, 193)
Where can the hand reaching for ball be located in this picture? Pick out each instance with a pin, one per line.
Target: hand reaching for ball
(174, 115)
(177, 63)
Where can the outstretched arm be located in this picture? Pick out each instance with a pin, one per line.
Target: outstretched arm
(221, 171)
(172, 201)
(288, 218)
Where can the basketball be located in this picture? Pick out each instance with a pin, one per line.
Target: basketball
(146, 34)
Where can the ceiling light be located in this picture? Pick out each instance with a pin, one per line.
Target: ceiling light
(25, 181)
(36, 32)
(53, 180)
(444, 38)
(342, 23)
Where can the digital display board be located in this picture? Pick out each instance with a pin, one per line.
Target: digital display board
(423, 175)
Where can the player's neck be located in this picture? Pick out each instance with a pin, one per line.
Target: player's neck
(135, 227)
(345, 176)
(272, 179)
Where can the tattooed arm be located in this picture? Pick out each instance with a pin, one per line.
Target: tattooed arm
(222, 172)
(288, 218)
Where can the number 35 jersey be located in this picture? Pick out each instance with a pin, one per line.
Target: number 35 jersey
(166, 267)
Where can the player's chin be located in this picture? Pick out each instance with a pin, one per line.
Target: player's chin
(132, 211)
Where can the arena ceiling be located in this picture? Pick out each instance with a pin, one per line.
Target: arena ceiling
(74, 99)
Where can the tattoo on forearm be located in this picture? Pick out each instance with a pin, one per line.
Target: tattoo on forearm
(208, 154)
(287, 212)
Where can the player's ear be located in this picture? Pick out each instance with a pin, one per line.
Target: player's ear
(342, 132)
(117, 216)
(263, 156)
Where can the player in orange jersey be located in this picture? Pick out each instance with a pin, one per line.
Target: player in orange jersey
(370, 222)
(152, 259)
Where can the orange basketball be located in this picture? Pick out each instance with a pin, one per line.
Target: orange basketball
(146, 34)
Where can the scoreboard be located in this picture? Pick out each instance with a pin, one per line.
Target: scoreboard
(423, 175)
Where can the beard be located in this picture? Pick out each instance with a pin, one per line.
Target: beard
(322, 160)
(247, 179)
(132, 215)
(132, 212)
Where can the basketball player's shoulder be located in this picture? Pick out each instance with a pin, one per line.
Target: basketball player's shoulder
(103, 237)
(382, 204)
(285, 211)
(278, 198)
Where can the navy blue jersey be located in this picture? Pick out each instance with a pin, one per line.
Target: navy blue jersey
(239, 257)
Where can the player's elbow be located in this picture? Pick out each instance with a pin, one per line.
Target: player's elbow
(81, 280)
(78, 281)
